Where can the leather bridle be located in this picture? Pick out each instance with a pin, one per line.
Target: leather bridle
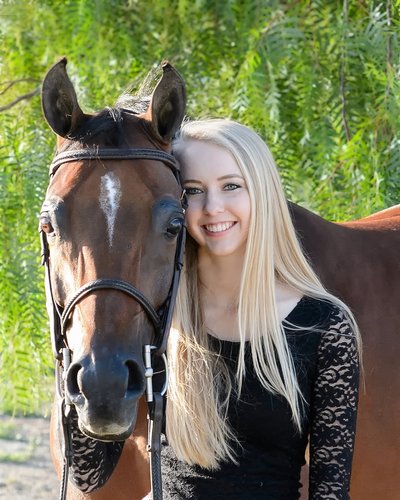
(161, 320)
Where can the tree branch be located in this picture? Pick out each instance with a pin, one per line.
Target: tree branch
(20, 98)
(10, 83)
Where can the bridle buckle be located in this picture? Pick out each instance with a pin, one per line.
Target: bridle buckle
(149, 372)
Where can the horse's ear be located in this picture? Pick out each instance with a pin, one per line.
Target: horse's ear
(168, 103)
(59, 101)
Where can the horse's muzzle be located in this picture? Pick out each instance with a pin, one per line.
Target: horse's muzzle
(106, 393)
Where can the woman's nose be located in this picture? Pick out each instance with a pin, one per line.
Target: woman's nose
(213, 203)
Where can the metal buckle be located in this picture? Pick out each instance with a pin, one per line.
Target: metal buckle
(149, 372)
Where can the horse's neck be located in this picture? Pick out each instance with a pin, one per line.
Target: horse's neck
(349, 257)
(311, 229)
(325, 243)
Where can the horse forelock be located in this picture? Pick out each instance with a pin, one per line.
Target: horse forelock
(107, 128)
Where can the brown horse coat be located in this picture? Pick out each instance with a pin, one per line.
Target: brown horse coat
(359, 261)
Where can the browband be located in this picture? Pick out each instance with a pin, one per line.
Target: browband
(114, 154)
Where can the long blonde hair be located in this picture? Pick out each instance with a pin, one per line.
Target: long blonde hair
(200, 385)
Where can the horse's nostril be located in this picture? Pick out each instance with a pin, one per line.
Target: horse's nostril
(72, 380)
(135, 377)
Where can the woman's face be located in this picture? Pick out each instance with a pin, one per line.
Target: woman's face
(218, 213)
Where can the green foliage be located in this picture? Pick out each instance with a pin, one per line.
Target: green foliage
(25, 358)
(317, 79)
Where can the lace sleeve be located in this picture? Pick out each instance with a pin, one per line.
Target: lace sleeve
(334, 411)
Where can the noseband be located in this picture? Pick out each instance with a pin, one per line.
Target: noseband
(161, 320)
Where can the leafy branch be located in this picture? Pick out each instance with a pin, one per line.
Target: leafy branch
(342, 72)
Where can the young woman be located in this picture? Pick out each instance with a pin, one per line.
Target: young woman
(262, 357)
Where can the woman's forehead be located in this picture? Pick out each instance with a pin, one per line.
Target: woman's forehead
(203, 159)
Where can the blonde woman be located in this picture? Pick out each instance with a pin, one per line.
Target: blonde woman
(262, 358)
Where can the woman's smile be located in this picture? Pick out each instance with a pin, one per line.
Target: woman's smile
(219, 227)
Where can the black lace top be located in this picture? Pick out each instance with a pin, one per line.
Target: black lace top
(271, 450)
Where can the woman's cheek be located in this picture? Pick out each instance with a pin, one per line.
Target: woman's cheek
(191, 221)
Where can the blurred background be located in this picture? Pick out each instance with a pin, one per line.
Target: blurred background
(318, 79)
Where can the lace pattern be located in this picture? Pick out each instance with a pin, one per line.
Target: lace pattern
(334, 409)
(93, 461)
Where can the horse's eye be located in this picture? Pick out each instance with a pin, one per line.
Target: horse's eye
(45, 224)
(174, 226)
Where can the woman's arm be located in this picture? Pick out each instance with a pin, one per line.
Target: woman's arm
(334, 411)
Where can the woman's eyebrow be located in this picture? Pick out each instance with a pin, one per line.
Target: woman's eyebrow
(193, 181)
(223, 177)
(230, 176)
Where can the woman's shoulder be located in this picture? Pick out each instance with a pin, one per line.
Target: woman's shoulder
(322, 315)
(325, 329)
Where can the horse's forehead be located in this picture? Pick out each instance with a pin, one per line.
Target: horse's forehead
(111, 195)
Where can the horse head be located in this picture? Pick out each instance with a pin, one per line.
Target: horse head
(110, 224)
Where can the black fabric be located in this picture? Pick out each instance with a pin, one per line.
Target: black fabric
(93, 461)
(272, 450)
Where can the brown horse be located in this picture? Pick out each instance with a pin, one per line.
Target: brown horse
(110, 223)
(90, 239)
(359, 262)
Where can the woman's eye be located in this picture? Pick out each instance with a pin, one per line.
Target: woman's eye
(192, 190)
(231, 187)
(174, 226)
(45, 224)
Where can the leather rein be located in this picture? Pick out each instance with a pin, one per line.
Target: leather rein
(161, 320)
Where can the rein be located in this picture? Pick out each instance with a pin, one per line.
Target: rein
(161, 320)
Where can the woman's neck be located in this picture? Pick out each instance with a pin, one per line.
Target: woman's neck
(219, 294)
(220, 276)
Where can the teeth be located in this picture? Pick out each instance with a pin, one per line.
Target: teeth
(217, 228)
